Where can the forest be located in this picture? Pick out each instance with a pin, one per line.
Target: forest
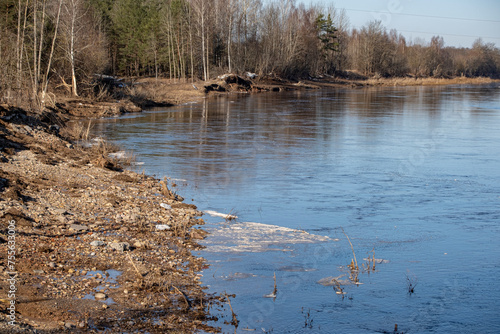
(61, 45)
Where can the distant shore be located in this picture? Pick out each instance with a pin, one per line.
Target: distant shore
(144, 93)
(150, 92)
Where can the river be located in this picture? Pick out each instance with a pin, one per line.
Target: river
(409, 174)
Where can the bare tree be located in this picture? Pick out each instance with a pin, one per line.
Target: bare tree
(49, 64)
(74, 12)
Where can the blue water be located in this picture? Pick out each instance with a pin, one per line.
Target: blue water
(411, 173)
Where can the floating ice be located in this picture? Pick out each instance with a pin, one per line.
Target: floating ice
(256, 237)
(218, 214)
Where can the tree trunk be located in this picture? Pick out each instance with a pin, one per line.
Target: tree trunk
(46, 77)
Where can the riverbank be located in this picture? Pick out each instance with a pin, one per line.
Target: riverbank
(86, 245)
(134, 95)
(167, 92)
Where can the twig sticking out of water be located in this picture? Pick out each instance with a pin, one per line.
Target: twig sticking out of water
(411, 281)
(337, 287)
(275, 290)
(373, 268)
(230, 217)
(235, 320)
(308, 320)
(354, 263)
(370, 266)
(352, 248)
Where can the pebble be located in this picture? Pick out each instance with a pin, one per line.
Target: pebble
(166, 206)
(100, 295)
(139, 244)
(97, 243)
(120, 246)
(162, 227)
(70, 324)
(78, 227)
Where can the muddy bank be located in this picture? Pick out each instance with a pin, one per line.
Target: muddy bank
(94, 247)
(234, 83)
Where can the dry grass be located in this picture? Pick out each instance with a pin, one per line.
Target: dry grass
(169, 91)
(77, 130)
(427, 81)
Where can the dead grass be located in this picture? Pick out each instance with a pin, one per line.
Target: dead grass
(168, 91)
(427, 81)
(78, 130)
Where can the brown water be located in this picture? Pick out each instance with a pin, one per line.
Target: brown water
(411, 173)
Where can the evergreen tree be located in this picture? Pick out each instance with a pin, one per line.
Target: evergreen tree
(327, 35)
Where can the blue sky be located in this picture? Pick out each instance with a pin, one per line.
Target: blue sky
(458, 22)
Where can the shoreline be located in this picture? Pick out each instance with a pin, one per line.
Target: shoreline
(92, 244)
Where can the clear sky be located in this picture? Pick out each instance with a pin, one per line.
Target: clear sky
(459, 22)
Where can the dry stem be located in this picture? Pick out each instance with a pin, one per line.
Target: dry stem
(235, 321)
(188, 304)
(354, 254)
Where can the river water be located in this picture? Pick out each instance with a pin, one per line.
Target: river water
(410, 174)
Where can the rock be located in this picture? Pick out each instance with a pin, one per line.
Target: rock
(166, 206)
(139, 244)
(62, 219)
(70, 324)
(38, 271)
(100, 295)
(97, 243)
(120, 246)
(251, 75)
(78, 228)
(162, 227)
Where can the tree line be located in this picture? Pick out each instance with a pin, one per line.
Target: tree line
(63, 44)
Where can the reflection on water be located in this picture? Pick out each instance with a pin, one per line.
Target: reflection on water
(411, 173)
